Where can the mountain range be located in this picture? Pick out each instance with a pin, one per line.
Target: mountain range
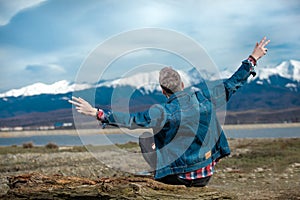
(271, 96)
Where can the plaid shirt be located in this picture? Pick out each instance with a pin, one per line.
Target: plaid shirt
(199, 173)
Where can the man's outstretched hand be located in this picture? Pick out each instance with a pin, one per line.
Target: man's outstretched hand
(83, 107)
(260, 49)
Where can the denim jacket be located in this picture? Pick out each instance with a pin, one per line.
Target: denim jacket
(188, 135)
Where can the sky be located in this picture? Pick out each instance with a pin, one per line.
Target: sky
(49, 40)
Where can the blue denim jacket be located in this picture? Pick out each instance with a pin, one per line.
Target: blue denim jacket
(188, 135)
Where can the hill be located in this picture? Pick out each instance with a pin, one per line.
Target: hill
(272, 96)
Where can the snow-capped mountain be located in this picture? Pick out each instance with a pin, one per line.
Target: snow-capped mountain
(288, 70)
(60, 87)
(286, 74)
(149, 80)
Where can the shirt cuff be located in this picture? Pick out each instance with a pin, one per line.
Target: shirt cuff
(100, 115)
(252, 63)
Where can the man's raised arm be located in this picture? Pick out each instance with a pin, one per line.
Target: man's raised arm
(239, 78)
(217, 94)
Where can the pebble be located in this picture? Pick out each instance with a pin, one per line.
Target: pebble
(242, 179)
(3, 186)
(252, 175)
(285, 176)
(259, 170)
(222, 175)
(296, 165)
(228, 169)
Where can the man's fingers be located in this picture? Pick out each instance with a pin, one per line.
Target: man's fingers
(75, 98)
(267, 42)
(262, 41)
(83, 101)
(74, 103)
(81, 106)
(79, 100)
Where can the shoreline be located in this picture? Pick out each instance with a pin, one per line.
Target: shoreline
(261, 126)
(28, 133)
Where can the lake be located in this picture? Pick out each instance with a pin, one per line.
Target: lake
(107, 139)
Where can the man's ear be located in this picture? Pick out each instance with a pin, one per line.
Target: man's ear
(182, 85)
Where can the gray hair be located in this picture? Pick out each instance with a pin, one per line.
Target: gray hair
(170, 80)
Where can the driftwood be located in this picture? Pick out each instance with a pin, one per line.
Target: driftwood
(39, 186)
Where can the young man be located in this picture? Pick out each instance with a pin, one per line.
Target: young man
(188, 139)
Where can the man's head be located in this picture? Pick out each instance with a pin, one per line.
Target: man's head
(170, 81)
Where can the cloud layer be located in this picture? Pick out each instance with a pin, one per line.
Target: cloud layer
(47, 41)
(10, 8)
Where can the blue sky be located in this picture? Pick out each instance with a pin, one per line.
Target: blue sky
(47, 41)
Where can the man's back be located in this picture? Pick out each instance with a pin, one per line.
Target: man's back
(190, 138)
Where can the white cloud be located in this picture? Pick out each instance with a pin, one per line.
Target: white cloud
(19, 67)
(155, 13)
(9, 8)
(63, 34)
(40, 69)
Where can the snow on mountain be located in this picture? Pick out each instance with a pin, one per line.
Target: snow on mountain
(146, 80)
(60, 87)
(287, 69)
(149, 80)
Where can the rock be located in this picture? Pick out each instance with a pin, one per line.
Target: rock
(296, 165)
(285, 176)
(228, 169)
(39, 186)
(259, 170)
(3, 186)
(243, 179)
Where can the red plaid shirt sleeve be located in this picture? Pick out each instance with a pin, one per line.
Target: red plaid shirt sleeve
(200, 173)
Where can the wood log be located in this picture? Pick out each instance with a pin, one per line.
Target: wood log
(39, 186)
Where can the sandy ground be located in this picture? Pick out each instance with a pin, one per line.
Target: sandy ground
(256, 169)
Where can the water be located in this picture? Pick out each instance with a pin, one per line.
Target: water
(291, 132)
(70, 140)
(100, 139)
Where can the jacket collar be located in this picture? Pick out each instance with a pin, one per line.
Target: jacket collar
(177, 95)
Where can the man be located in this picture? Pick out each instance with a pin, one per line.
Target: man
(188, 140)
